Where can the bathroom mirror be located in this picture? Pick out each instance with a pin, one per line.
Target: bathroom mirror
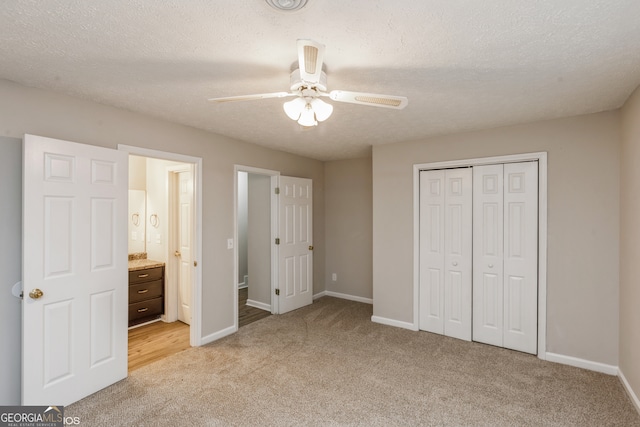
(137, 215)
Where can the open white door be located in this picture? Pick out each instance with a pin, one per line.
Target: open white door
(74, 317)
(295, 251)
(185, 239)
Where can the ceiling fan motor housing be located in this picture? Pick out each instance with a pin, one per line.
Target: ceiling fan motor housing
(297, 82)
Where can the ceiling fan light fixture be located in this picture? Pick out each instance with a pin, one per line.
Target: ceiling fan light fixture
(322, 109)
(307, 117)
(308, 82)
(287, 5)
(294, 108)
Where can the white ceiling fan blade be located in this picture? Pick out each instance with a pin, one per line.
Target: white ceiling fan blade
(310, 58)
(372, 99)
(252, 97)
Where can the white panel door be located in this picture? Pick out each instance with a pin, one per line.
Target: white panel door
(432, 226)
(445, 252)
(74, 323)
(457, 253)
(505, 253)
(295, 251)
(488, 254)
(185, 239)
(521, 256)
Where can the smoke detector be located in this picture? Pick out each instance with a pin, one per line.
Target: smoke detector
(287, 5)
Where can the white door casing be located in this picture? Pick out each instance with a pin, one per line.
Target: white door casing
(185, 239)
(75, 252)
(295, 251)
(445, 252)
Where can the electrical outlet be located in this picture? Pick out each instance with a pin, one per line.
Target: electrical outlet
(334, 277)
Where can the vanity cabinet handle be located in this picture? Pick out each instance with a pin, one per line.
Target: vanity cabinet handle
(142, 276)
(143, 291)
(142, 310)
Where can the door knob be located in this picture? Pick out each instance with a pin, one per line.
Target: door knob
(310, 248)
(177, 253)
(490, 265)
(36, 293)
(455, 263)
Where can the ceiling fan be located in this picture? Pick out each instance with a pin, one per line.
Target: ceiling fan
(309, 84)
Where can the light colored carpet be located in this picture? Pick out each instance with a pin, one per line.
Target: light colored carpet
(328, 364)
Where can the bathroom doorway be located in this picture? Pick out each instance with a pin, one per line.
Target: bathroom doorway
(171, 237)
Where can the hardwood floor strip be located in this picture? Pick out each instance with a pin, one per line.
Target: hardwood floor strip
(248, 314)
(155, 341)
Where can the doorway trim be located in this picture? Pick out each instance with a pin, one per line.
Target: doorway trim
(274, 231)
(195, 336)
(541, 158)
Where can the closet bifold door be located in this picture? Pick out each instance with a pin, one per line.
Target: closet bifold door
(521, 256)
(505, 255)
(445, 252)
(488, 207)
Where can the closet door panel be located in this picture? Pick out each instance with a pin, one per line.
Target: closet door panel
(458, 253)
(521, 256)
(488, 295)
(432, 236)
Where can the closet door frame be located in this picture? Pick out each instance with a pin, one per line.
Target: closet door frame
(541, 158)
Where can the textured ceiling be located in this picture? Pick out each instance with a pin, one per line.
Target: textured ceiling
(464, 65)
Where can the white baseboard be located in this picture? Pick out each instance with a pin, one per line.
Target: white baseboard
(319, 295)
(393, 322)
(217, 335)
(159, 319)
(258, 304)
(630, 392)
(582, 363)
(349, 297)
(342, 296)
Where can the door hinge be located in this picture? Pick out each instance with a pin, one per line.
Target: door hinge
(277, 240)
(277, 190)
(277, 291)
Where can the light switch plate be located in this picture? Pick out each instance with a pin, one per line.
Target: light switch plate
(229, 243)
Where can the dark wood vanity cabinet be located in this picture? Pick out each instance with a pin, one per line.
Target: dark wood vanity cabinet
(146, 295)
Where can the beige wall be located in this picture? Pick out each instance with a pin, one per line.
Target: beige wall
(27, 110)
(348, 220)
(137, 173)
(630, 244)
(10, 267)
(583, 224)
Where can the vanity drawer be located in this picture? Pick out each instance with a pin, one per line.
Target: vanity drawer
(146, 290)
(152, 307)
(145, 275)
